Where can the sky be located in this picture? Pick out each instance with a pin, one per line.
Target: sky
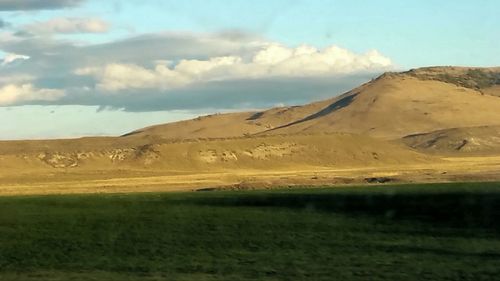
(72, 68)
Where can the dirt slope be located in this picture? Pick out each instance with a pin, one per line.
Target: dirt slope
(483, 140)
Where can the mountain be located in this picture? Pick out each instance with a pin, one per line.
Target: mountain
(390, 107)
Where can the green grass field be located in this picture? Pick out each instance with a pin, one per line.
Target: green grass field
(410, 232)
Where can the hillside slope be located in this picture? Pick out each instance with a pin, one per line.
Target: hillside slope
(483, 140)
(394, 106)
(390, 107)
(229, 124)
(268, 152)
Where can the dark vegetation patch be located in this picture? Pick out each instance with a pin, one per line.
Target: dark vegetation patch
(335, 106)
(465, 205)
(408, 232)
(379, 180)
(207, 189)
(255, 116)
(476, 79)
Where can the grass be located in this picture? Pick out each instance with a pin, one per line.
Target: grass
(409, 232)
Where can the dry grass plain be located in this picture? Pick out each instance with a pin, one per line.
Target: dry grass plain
(451, 169)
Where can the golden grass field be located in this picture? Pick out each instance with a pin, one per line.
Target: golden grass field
(73, 181)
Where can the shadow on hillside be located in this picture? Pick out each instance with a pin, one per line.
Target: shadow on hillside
(449, 209)
(343, 102)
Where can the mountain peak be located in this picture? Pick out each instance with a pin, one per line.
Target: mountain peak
(391, 106)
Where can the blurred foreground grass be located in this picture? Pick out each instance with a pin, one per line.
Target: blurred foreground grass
(407, 232)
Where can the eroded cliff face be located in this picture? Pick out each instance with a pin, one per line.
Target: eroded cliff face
(149, 155)
(142, 155)
(262, 151)
(267, 152)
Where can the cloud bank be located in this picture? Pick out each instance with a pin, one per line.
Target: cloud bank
(168, 71)
(68, 26)
(273, 60)
(24, 91)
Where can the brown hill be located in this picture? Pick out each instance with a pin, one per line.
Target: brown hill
(483, 140)
(390, 107)
(396, 105)
(230, 124)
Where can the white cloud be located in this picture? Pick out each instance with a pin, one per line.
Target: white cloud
(69, 25)
(174, 70)
(20, 89)
(273, 54)
(11, 57)
(272, 60)
(115, 77)
(198, 69)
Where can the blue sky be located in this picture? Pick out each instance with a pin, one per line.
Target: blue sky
(437, 32)
(154, 61)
